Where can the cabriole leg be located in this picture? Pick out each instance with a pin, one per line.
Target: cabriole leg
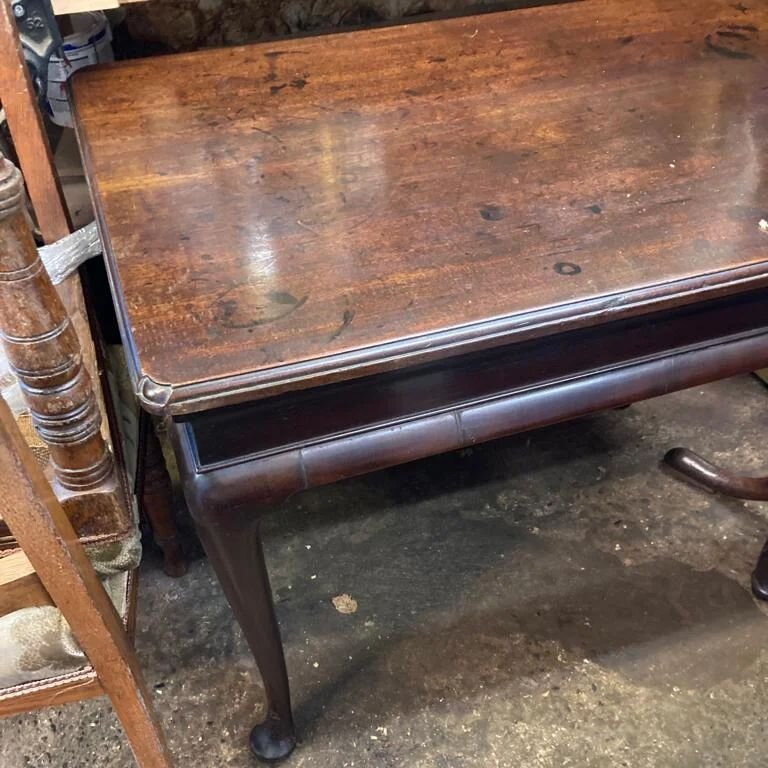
(232, 541)
(722, 481)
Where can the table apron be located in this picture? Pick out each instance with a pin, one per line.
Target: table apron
(271, 478)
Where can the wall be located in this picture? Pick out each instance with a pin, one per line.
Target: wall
(189, 24)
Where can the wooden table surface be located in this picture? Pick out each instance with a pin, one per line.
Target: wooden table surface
(308, 210)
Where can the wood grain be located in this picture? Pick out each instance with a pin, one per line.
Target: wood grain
(77, 686)
(336, 411)
(20, 586)
(285, 214)
(266, 451)
(46, 536)
(43, 351)
(14, 566)
(26, 124)
(154, 490)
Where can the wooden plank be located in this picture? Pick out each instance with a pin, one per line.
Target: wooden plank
(26, 124)
(14, 566)
(20, 586)
(305, 211)
(64, 689)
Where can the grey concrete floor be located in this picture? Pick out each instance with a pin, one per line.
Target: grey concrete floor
(552, 599)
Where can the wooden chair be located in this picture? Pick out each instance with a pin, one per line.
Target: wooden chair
(84, 490)
(153, 486)
(63, 572)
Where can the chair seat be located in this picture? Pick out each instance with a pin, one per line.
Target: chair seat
(36, 644)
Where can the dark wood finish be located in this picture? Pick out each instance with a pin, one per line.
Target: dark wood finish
(43, 351)
(718, 480)
(224, 493)
(46, 536)
(335, 254)
(306, 418)
(760, 574)
(155, 493)
(31, 144)
(359, 202)
(274, 475)
(714, 478)
(232, 540)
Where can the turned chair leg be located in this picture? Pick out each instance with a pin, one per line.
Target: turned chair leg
(719, 480)
(155, 494)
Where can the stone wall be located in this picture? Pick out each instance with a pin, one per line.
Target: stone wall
(189, 24)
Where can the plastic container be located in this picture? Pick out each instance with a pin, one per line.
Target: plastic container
(89, 43)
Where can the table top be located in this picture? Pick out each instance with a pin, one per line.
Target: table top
(302, 211)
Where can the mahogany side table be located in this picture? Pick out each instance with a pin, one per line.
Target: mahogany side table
(339, 253)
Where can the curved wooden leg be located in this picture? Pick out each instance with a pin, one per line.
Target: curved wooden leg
(694, 467)
(760, 575)
(155, 493)
(232, 541)
(719, 480)
(229, 529)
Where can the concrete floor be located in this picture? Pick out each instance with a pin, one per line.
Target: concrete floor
(548, 600)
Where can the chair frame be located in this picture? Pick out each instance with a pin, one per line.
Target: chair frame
(47, 537)
(44, 352)
(45, 193)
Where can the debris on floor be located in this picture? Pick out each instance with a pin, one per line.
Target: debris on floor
(344, 603)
